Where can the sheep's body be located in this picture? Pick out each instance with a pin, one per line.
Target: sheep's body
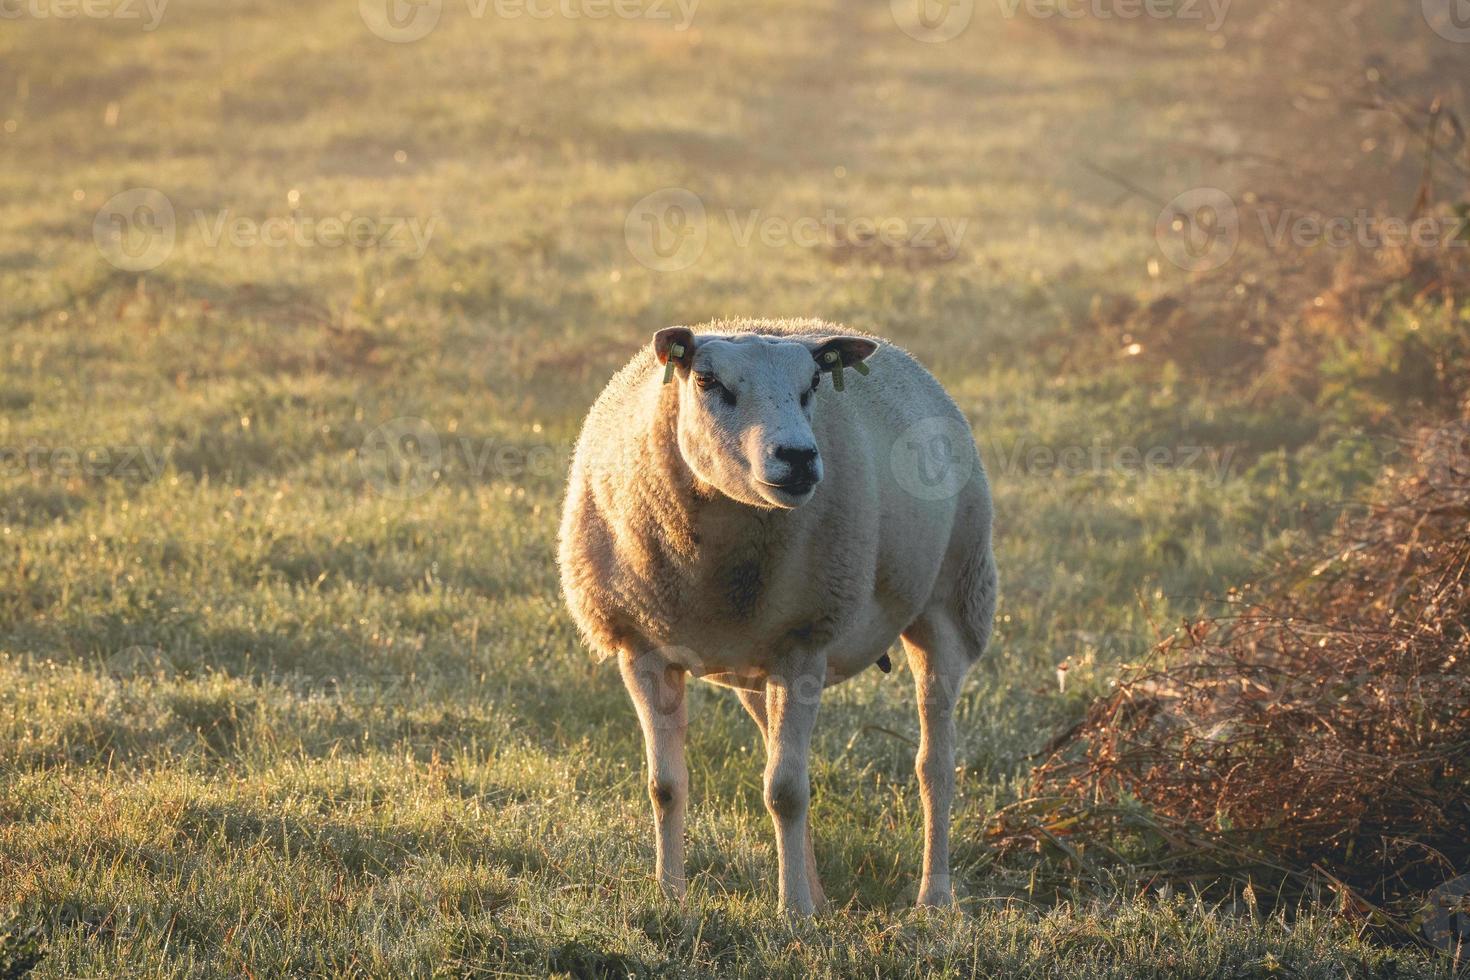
(658, 567)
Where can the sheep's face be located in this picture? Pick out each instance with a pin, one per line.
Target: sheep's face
(745, 410)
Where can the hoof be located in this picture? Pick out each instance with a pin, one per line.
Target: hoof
(802, 911)
(934, 895)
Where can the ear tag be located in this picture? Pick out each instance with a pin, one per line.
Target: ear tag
(862, 368)
(676, 351)
(835, 359)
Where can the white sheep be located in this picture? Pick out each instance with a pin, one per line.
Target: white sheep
(730, 515)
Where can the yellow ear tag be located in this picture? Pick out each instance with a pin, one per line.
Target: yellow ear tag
(676, 351)
(835, 360)
(862, 368)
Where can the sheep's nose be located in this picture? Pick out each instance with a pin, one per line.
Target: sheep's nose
(799, 458)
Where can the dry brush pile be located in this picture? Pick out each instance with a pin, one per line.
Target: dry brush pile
(1322, 735)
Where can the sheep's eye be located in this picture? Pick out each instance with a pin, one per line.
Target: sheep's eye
(806, 396)
(708, 382)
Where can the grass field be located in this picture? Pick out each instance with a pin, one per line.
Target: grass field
(273, 700)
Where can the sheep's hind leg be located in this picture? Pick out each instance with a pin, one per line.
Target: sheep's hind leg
(755, 704)
(657, 689)
(793, 693)
(937, 656)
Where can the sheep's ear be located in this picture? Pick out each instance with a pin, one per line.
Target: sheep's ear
(835, 353)
(849, 351)
(674, 346)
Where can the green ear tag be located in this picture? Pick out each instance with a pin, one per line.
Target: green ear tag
(676, 351)
(835, 359)
(862, 368)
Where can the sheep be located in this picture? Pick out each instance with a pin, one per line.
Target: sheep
(730, 517)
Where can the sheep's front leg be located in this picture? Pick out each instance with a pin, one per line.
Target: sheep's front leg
(793, 692)
(657, 689)
(755, 704)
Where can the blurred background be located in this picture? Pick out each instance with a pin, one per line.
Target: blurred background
(302, 305)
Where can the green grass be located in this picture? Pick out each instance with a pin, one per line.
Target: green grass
(257, 715)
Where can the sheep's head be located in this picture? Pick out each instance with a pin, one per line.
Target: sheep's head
(745, 409)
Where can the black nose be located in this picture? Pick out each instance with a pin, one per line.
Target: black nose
(799, 458)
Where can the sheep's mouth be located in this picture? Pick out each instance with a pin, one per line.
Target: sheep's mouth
(794, 488)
